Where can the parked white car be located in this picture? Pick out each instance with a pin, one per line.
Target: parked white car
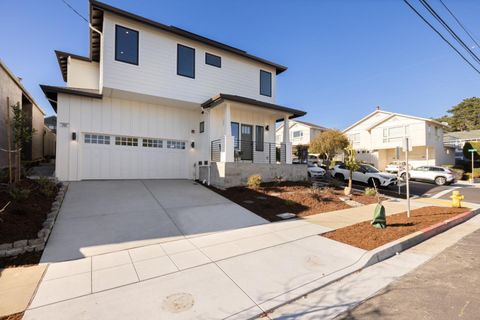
(438, 175)
(315, 171)
(396, 166)
(366, 174)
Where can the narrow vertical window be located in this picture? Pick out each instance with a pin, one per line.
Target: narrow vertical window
(202, 126)
(265, 83)
(259, 136)
(185, 61)
(126, 45)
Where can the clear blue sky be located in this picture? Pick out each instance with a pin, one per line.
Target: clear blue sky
(344, 57)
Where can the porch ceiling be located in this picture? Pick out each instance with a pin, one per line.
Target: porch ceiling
(281, 110)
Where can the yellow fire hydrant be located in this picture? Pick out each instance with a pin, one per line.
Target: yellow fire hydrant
(456, 199)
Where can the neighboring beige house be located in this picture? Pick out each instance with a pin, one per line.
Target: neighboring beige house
(12, 89)
(301, 132)
(376, 136)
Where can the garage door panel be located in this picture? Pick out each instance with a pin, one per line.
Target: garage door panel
(102, 161)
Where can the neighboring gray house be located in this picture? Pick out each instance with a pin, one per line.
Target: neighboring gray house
(457, 140)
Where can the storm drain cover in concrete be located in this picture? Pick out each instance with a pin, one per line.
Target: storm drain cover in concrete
(286, 215)
(178, 302)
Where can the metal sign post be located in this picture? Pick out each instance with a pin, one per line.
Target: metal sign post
(472, 151)
(406, 148)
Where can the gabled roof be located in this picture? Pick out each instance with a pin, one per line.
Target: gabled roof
(461, 135)
(390, 115)
(20, 85)
(62, 58)
(51, 92)
(96, 19)
(212, 102)
(308, 124)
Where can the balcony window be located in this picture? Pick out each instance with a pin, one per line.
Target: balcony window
(126, 45)
(265, 83)
(185, 61)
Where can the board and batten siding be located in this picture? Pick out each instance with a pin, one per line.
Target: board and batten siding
(156, 72)
(120, 117)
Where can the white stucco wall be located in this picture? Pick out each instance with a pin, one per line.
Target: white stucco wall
(82, 74)
(156, 73)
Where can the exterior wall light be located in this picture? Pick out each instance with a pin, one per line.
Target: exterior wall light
(74, 136)
(192, 144)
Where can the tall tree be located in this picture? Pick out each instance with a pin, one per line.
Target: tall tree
(328, 143)
(464, 116)
(22, 134)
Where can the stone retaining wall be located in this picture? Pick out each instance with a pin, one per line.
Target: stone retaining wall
(231, 174)
(37, 244)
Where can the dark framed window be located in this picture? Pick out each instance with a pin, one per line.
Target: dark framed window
(213, 60)
(236, 134)
(259, 137)
(202, 126)
(126, 45)
(185, 61)
(265, 83)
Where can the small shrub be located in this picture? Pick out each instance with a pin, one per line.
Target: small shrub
(290, 203)
(371, 192)
(254, 181)
(19, 194)
(47, 187)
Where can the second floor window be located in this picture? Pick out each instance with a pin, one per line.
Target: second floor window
(185, 61)
(265, 83)
(297, 134)
(213, 60)
(126, 45)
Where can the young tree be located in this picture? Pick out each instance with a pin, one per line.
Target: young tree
(329, 143)
(352, 165)
(22, 134)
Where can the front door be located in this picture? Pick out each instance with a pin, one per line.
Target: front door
(246, 144)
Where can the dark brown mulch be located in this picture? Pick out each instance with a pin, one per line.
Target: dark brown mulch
(24, 260)
(363, 235)
(23, 220)
(15, 316)
(298, 198)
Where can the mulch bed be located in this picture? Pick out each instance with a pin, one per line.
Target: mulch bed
(298, 198)
(363, 235)
(15, 316)
(23, 220)
(24, 260)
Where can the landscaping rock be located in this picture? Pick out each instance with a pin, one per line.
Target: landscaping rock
(33, 242)
(52, 215)
(248, 201)
(20, 243)
(6, 246)
(3, 253)
(14, 252)
(39, 247)
(29, 248)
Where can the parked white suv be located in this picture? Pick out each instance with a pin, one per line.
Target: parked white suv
(438, 175)
(365, 174)
(314, 170)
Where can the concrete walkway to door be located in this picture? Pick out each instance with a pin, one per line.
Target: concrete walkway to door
(99, 217)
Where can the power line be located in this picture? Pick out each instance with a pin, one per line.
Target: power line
(441, 36)
(461, 25)
(73, 9)
(447, 27)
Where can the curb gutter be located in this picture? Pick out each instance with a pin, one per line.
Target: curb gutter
(370, 258)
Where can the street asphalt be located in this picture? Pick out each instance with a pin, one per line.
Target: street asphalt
(446, 287)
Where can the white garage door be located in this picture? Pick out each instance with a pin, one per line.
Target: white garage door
(121, 157)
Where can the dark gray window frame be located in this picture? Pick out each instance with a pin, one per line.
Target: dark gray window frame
(259, 145)
(116, 43)
(202, 127)
(271, 86)
(178, 61)
(215, 56)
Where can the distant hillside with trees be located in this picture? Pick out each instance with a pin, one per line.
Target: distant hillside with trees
(464, 116)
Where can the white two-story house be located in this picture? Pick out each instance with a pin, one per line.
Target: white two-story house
(155, 101)
(301, 132)
(376, 137)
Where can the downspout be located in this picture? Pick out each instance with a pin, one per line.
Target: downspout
(100, 71)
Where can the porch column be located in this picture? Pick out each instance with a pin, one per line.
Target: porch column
(286, 139)
(227, 154)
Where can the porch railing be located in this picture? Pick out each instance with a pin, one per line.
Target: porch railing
(250, 151)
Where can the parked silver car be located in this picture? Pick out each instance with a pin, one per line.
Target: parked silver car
(438, 175)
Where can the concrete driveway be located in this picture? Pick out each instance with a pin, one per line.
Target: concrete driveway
(99, 217)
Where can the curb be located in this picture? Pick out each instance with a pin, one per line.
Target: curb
(370, 258)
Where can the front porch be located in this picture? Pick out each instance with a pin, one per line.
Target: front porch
(242, 142)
